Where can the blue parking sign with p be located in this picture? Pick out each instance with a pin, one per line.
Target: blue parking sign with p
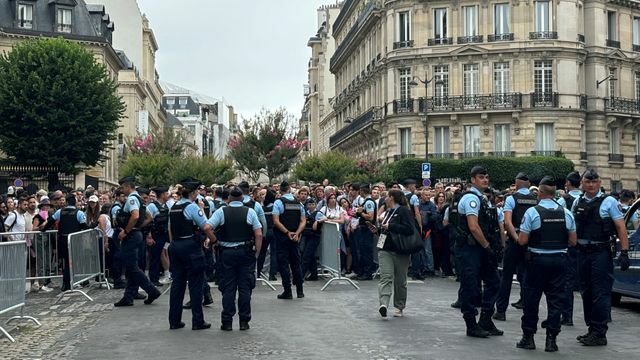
(426, 167)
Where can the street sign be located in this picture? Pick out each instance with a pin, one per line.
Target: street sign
(18, 182)
(426, 174)
(426, 182)
(426, 167)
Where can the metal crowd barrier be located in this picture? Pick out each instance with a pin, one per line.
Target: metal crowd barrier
(86, 259)
(329, 253)
(42, 256)
(13, 262)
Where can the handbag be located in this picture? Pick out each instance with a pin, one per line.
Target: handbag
(407, 244)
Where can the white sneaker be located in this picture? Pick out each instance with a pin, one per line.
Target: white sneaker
(352, 275)
(46, 289)
(397, 313)
(165, 280)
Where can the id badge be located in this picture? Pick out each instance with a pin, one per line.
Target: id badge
(381, 240)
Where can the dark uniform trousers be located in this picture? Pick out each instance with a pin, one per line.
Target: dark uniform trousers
(309, 263)
(187, 263)
(475, 267)
(595, 267)
(544, 273)
(268, 244)
(238, 276)
(62, 248)
(364, 251)
(571, 283)
(512, 263)
(130, 247)
(156, 255)
(288, 260)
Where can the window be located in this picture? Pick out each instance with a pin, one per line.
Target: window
(583, 139)
(471, 84)
(405, 79)
(543, 16)
(636, 31)
(616, 186)
(502, 138)
(612, 83)
(472, 139)
(192, 129)
(183, 102)
(501, 74)
(170, 102)
(612, 33)
(404, 26)
(614, 140)
(501, 19)
(441, 90)
(439, 24)
(442, 139)
(25, 16)
(470, 20)
(542, 77)
(545, 139)
(637, 82)
(405, 141)
(63, 20)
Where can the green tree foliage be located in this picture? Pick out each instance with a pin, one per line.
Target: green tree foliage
(53, 93)
(266, 145)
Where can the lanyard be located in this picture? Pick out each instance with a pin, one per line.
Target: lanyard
(388, 217)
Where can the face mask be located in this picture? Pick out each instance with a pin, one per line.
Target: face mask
(44, 214)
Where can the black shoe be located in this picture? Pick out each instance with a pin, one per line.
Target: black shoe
(383, 311)
(179, 325)
(152, 297)
(203, 326)
(500, 316)
(364, 278)
(594, 340)
(566, 322)
(187, 305)
(300, 294)
(580, 337)
(544, 324)
(486, 324)
(244, 325)
(123, 302)
(272, 278)
(550, 345)
(456, 305)
(119, 285)
(226, 326)
(477, 332)
(418, 278)
(526, 342)
(286, 295)
(208, 300)
(518, 304)
(139, 296)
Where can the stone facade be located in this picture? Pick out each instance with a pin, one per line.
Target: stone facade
(504, 78)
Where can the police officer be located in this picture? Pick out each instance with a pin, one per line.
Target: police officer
(71, 220)
(474, 224)
(130, 219)
(288, 223)
(515, 207)
(311, 235)
(252, 204)
(598, 218)
(366, 212)
(241, 234)
(548, 229)
(268, 242)
(114, 243)
(186, 256)
(159, 234)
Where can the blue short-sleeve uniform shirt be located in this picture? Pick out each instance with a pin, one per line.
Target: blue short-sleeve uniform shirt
(80, 215)
(510, 202)
(470, 203)
(132, 203)
(278, 205)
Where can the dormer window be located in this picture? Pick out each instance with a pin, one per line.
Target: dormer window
(25, 16)
(63, 20)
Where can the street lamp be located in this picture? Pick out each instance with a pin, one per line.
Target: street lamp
(426, 115)
(610, 77)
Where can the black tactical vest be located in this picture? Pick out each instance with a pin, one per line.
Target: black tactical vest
(569, 200)
(181, 227)
(308, 227)
(235, 228)
(268, 214)
(161, 221)
(290, 218)
(553, 233)
(68, 221)
(590, 226)
(523, 202)
(123, 217)
(362, 221)
(251, 204)
(487, 219)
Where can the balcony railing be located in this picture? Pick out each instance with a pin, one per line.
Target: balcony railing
(548, 153)
(472, 154)
(403, 156)
(583, 102)
(440, 41)
(471, 102)
(546, 99)
(618, 158)
(25, 24)
(363, 17)
(442, 155)
(470, 39)
(636, 48)
(403, 44)
(543, 35)
(357, 124)
(622, 105)
(403, 106)
(500, 37)
(503, 153)
(65, 28)
(581, 38)
(613, 43)
(583, 156)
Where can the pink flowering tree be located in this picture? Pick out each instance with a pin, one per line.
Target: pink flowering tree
(267, 145)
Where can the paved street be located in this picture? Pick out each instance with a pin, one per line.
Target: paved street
(340, 323)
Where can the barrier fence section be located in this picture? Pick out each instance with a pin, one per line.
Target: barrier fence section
(329, 253)
(42, 255)
(13, 263)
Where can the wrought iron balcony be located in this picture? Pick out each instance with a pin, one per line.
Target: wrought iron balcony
(471, 102)
(584, 156)
(502, 153)
(543, 35)
(636, 48)
(622, 105)
(363, 18)
(360, 122)
(546, 99)
(472, 154)
(583, 102)
(470, 39)
(500, 37)
(65, 28)
(618, 158)
(613, 43)
(403, 156)
(403, 106)
(548, 153)
(440, 41)
(442, 155)
(581, 38)
(402, 44)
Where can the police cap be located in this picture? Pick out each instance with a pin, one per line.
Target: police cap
(131, 180)
(522, 177)
(190, 183)
(478, 170)
(548, 181)
(142, 190)
(235, 192)
(311, 201)
(590, 174)
(160, 189)
(409, 182)
(574, 178)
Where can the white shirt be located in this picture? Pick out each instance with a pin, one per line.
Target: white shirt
(107, 225)
(334, 213)
(19, 226)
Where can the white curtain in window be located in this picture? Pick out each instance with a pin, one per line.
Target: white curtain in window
(502, 137)
(405, 141)
(471, 138)
(545, 140)
(501, 19)
(442, 139)
(543, 16)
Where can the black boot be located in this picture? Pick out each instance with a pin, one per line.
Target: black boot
(487, 324)
(286, 295)
(208, 299)
(500, 316)
(299, 292)
(518, 304)
(473, 330)
(550, 345)
(526, 342)
(456, 305)
(594, 340)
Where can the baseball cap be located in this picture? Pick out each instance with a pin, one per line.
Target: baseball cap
(93, 198)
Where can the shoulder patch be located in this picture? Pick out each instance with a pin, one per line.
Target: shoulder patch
(132, 202)
(200, 213)
(473, 204)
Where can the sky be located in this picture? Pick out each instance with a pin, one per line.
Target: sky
(253, 53)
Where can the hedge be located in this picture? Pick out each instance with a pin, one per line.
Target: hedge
(502, 170)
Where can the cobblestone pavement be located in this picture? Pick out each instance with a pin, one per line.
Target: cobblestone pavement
(340, 323)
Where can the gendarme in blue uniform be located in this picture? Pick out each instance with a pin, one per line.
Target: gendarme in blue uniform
(290, 213)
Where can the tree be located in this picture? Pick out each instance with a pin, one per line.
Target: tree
(53, 93)
(334, 166)
(267, 145)
(162, 142)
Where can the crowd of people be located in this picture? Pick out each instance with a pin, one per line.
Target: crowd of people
(192, 234)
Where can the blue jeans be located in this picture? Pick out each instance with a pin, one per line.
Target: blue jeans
(422, 261)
